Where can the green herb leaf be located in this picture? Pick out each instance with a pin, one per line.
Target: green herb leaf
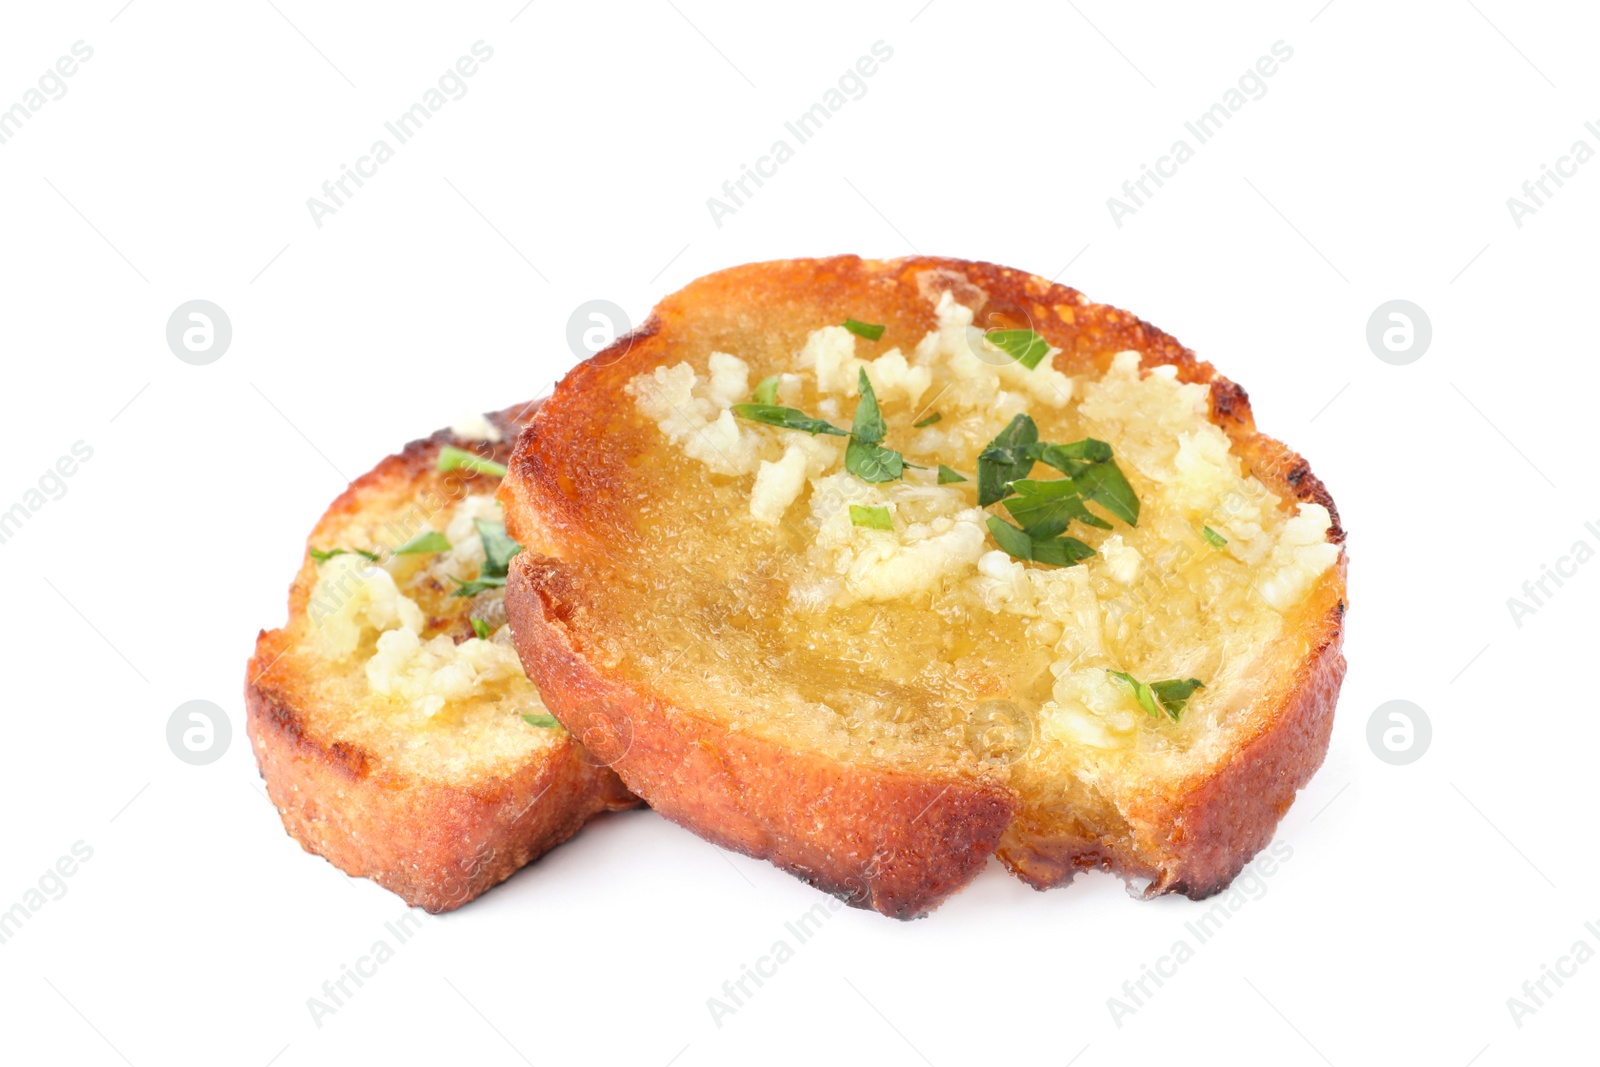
(1060, 551)
(1141, 692)
(543, 721)
(478, 585)
(946, 475)
(873, 463)
(498, 548)
(427, 541)
(1073, 459)
(865, 456)
(1216, 539)
(868, 427)
(873, 517)
(1089, 464)
(1046, 508)
(767, 392)
(785, 418)
(1105, 484)
(1024, 346)
(864, 329)
(1005, 459)
(1169, 696)
(1174, 693)
(1014, 542)
(323, 556)
(929, 421)
(1056, 551)
(452, 458)
(480, 628)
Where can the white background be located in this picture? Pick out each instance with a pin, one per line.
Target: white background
(1377, 166)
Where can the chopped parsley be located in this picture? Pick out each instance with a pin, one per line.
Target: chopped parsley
(543, 721)
(1044, 509)
(498, 552)
(1169, 696)
(1047, 508)
(1106, 485)
(868, 426)
(480, 628)
(1005, 459)
(1089, 464)
(427, 541)
(1073, 459)
(873, 463)
(477, 585)
(929, 421)
(873, 517)
(498, 549)
(324, 555)
(452, 458)
(948, 475)
(1024, 346)
(1019, 544)
(868, 330)
(1216, 539)
(767, 391)
(786, 419)
(865, 456)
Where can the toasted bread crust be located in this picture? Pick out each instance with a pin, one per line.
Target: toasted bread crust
(1211, 830)
(568, 493)
(437, 844)
(876, 838)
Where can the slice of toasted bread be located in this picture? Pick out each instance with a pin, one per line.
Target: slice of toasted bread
(851, 678)
(405, 757)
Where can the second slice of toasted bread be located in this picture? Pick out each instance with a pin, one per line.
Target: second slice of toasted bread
(792, 642)
(396, 732)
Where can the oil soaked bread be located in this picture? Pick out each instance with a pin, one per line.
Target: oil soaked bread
(800, 653)
(390, 717)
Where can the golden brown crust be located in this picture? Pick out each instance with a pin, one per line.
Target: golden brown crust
(1209, 829)
(436, 843)
(437, 846)
(874, 837)
(576, 470)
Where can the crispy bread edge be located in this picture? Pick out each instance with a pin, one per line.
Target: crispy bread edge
(564, 498)
(876, 838)
(436, 846)
(1202, 837)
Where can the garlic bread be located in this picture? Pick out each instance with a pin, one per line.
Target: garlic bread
(397, 733)
(877, 568)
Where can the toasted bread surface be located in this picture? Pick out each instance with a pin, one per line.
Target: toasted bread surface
(435, 798)
(876, 711)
